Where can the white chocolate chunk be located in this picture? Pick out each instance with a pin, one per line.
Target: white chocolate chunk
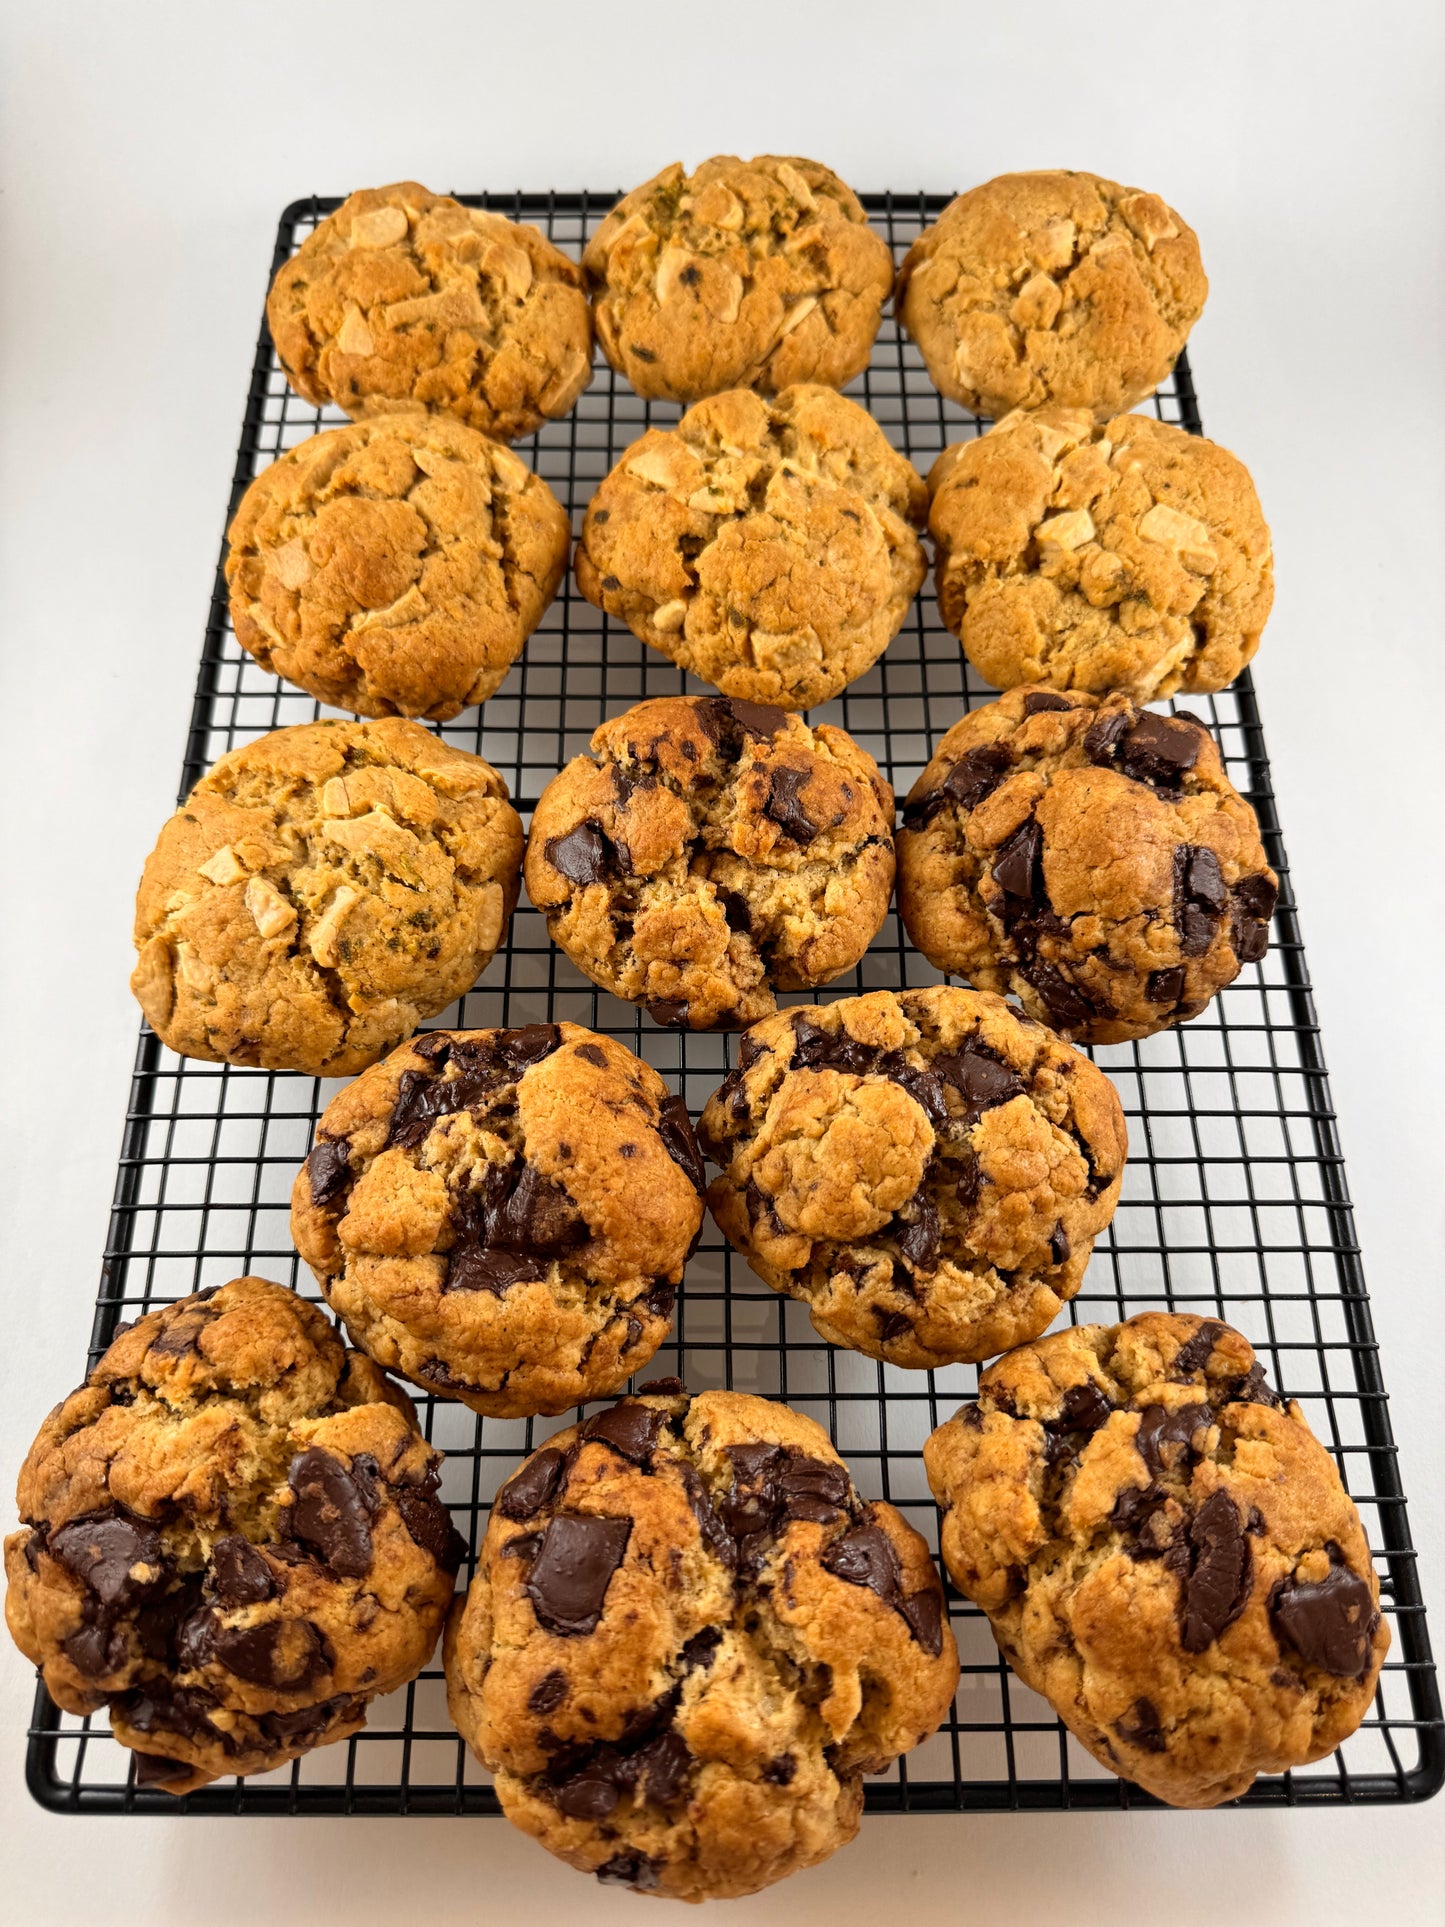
(379, 227)
(270, 912)
(354, 337)
(797, 314)
(670, 617)
(325, 933)
(222, 868)
(292, 567)
(1189, 538)
(1068, 531)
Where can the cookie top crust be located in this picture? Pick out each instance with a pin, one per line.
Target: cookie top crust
(320, 892)
(925, 1170)
(1130, 556)
(1165, 1552)
(405, 299)
(1052, 287)
(744, 274)
(710, 851)
(1088, 857)
(503, 1215)
(770, 548)
(231, 1536)
(395, 566)
(688, 1640)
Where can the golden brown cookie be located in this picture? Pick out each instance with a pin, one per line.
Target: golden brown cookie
(395, 567)
(1051, 287)
(230, 1537)
(768, 547)
(1088, 857)
(925, 1170)
(404, 299)
(1131, 557)
(745, 274)
(1165, 1552)
(504, 1215)
(320, 892)
(688, 1640)
(709, 852)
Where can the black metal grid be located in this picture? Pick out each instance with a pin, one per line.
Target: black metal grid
(1234, 1202)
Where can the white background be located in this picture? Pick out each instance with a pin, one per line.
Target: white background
(145, 153)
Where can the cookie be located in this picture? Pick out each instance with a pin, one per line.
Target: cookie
(230, 1537)
(503, 1215)
(394, 567)
(687, 1641)
(709, 852)
(925, 1170)
(1131, 557)
(770, 548)
(1165, 1552)
(1090, 858)
(320, 892)
(1051, 287)
(745, 274)
(403, 299)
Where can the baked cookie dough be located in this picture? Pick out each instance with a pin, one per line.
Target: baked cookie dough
(1131, 557)
(1088, 857)
(230, 1537)
(320, 892)
(1051, 287)
(709, 852)
(395, 567)
(688, 1640)
(1165, 1552)
(503, 1215)
(404, 299)
(770, 548)
(745, 274)
(925, 1170)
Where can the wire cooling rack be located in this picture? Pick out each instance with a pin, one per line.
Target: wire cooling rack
(1234, 1203)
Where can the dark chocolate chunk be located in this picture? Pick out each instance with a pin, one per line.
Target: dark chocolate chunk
(586, 855)
(919, 1240)
(924, 1612)
(592, 1054)
(1251, 940)
(1068, 1005)
(674, 1127)
(1040, 699)
(728, 720)
(1140, 1727)
(588, 1795)
(288, 1655)
(715, 1535)
(97, 1649)
(421, 1099)
(660, 1299)
(429, 1522)
(633, 1870)
(736, 909)
(979, 1078)
(1158, 750)
(1253, 1389)
(780, 1772)
(434, 1046)
(537, 1217)
(518, 1049)
(1218, 1579)
(813, 1489)
(473, 1268)
(1018, 868)
(1195, 1353)
(333, 1510)
(1199, 897)
(116, 1556)
(549, 1692)
(701, 1649)
(1059, 1246)
(669, 1387)
(970, 1182)
(1256, 897)
(892, 1324)
(159, 1620)
(670, 1012)
(573, 1569)
(175, 1709)
(1159, 1428)
(817, 1049)
(1101, 739)
(154, 1769)
(328, 1167)
(629, 1427)
(1329, 1622)
(528, 1490)
(239, 1575)
(1165, 986)
(865, 1557)
(784, 808)
(973, 777)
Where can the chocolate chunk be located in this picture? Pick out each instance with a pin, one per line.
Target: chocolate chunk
(1251, 940)
(919, 1240)
(429, 1522)
(592, 1054)
(973, 777)
(549, 1692)
(528, 1490)
(1329, 1622)
(1041, 699)
(633, 1870)
(116, 1556)
(979, 1078)
(1018, 869)
(328, 1167)
(1165, 986)
(660, 1299)
(573, 1569)
(1068, 1005)
(924, 1612)
(472, 1268)
(1159, 1428)
(333, 1510)
(629, 1427)
(1195, 1353)
(924, 1086)
(434, 1046)
(159, 1619)
(1101, 739)
(1059, 1246)
(585, 855)
(239, 1575)
(588, 1795)
(175, 1709)
(1140, 1727)
(736, 909)
(715, 1535)
(288, 1655)
(701, 1649)
(97, 1649)
(669, 1387)
(537, 1217)
(1137, 1510)
(1253, 1389)
(784, 808)
(154, 1769)
(751, 1502)
(1256, 897)
(780, 1772)
(1084, 1408)
(670, 1012)
(814, 1489)
(892, 1324)
(1158, 750)
(970, 1182)
(728, 720)
(1204, 880)
(674, 1127)
(1218, 1579)
(817, 1049)
(865, 1557)
(527, 1044)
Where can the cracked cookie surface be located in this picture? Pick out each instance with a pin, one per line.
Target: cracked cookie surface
(925, 1170)
(396, 566)
(406, 299)
(1051, 287)
(503, 1216)
(1165, 1552)
(1130, 556)
(709, 852)
(744, 274)
(688, 1640)
(770, 548)
(320, 892)
(231, 1537)
(1090, 858)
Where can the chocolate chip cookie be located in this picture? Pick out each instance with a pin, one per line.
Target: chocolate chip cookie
(745, 274)
(231, 1537)
(925, 1170)
(1088, 857)
(769, 547)
(320, 892)
(404, 299)
(396, 566)
(504, 1215)
(1131, 557)
(1165, 1552)
(1052, 287)
(688, 1640)
(710, 851)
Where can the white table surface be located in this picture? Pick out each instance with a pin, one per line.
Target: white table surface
(145, 152)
